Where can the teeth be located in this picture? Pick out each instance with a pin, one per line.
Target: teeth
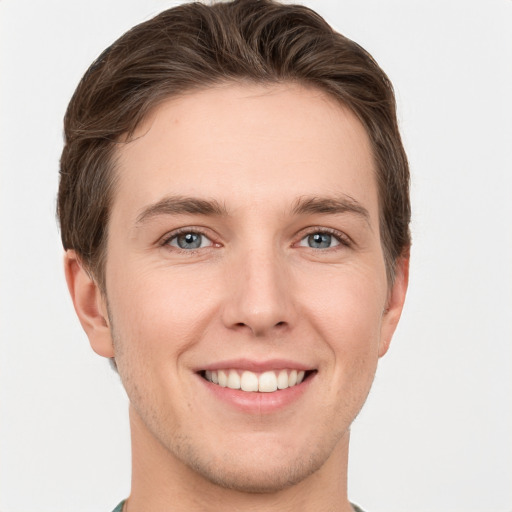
(266, 382)
(282, 380)
(249, 381)
(233, 380)
(223, 379)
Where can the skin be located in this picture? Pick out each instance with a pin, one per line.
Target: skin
(255, 290)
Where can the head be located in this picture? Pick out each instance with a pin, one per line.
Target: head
(193, 47)
(234, 200)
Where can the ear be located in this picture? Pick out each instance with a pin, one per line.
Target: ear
(90, 305)
(395, 304)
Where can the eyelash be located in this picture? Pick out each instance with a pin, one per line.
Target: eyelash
(166, 240)
(342, 238)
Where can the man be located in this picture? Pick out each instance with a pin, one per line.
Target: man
(234, 208)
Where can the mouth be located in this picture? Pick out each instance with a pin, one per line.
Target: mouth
(257, 382)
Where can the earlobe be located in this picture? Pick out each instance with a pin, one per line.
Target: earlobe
(90, 305)
(395, 304)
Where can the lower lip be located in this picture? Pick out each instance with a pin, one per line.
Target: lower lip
(257, 402)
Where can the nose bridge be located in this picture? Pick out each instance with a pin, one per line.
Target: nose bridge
(260, 291)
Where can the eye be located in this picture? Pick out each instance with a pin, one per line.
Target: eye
(189, 240)
(320, 240)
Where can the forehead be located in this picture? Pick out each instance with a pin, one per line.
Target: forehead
(246, 144)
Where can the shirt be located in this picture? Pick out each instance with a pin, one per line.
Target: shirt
(119, 507)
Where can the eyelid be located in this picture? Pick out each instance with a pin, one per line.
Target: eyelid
(343, 238)
(166, 239)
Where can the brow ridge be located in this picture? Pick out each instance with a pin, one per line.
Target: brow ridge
(176, 205)
(305, 205)
(330, 205)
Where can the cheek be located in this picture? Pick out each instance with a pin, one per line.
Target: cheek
(157, 314)
(348, 303)
(348, 315)
(156, 321)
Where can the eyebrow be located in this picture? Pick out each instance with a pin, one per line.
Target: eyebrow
(176, 205)
(330, 205)
(179, 205)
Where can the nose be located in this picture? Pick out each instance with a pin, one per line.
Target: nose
(259, 297)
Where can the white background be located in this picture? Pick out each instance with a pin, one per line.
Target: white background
(436, 433)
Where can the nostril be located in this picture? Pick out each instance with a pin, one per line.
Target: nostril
(260, 326)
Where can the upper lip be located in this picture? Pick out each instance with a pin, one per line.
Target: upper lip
(256, 366)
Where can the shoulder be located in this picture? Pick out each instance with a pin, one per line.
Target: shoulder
(119, 507)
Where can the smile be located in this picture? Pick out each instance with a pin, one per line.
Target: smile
(265, 382)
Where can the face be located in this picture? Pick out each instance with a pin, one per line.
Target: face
(245, 281)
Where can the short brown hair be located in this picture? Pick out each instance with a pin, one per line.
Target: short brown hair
(191, 47)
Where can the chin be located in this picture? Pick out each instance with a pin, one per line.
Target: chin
(255, 470)
(250, 478)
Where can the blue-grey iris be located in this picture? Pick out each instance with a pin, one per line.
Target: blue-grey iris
(189, 241)
(319, 240)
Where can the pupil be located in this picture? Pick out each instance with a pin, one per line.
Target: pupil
(320, 240)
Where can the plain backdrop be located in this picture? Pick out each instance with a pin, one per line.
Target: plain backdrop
(436, 432)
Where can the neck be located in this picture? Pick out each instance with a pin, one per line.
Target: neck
(161, 482)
